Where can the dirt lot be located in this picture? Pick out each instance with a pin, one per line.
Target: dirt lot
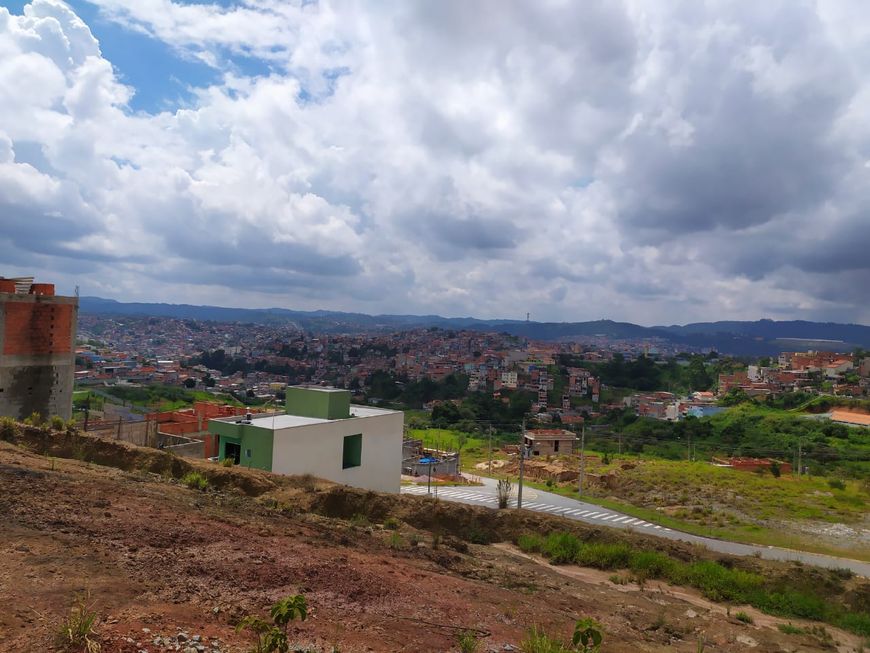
(170, 568)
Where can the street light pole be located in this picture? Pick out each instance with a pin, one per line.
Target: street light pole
(490, 449)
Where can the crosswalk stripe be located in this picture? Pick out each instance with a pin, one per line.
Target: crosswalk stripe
(619, 519)
(607, 517)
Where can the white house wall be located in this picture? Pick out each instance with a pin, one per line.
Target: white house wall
(318, 449)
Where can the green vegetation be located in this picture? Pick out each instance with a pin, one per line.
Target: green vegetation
(468, 641)
(77, 629)
(164, 397)
(790, 629)
(195, 481)
(715, 581)
(272, 636)
(746, 430)
(743, 617)
(587, 638)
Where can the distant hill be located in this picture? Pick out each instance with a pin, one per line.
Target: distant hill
(759, 338)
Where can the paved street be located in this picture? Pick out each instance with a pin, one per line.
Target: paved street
(555, 504)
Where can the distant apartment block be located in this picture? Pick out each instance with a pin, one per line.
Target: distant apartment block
(37, 349)
(318, 433)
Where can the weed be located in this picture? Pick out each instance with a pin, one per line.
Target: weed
(35, 419)
(415, 539)
(228, 462)
(436, 540)
(743, 617)
(468, 641)
(618, 579)
(837, 484)
(391, 523)
(57, 423)
(790, 629)
(78, 627)
(396, 541)
(359, 520)
(195, 481)
(537, 641)
(9, 429)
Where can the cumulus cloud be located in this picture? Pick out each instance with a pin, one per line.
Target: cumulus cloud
(650, 162)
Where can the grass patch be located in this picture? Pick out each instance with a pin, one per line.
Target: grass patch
(77, 629)
(195, 481)
(790, 629)
(714, 580)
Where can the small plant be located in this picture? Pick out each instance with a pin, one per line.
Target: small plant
(9, 429)
(503, 491)
(743, 617)
(35, 419)
(790, 629)
(228, 462)
(587, 635)
(392, 524)
(537, 641)
(396, 541)
(436, 540)
(78, 628)
(415, 539)
(195, 481)
(837, 484)
(57, 423)
(272, 637)
(359, 520)
(468, 641)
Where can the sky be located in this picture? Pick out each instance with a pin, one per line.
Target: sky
(654, 162)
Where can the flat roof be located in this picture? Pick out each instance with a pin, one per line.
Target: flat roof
(284, 421)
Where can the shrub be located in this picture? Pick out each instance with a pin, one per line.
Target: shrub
(359, 520)
(392, 523)
(195, 481)
(837, 484)
(9, 429)
(78, 628)
(604, 556)
(561, 548)
(35, 419)
(651, 564)
(530, 543)
(57, 423)
(396, 541)
(468, 641)
(228, 462)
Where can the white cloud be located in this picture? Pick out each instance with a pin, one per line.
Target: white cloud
(641, 161)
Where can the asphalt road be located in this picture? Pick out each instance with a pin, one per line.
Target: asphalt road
(555, 504)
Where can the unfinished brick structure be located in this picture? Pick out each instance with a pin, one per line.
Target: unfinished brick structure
(37, 349)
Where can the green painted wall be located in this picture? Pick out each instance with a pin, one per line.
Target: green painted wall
(314, 402)
(259, 441)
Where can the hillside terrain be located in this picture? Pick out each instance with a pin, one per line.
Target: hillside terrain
(167, 567)
(758, 338)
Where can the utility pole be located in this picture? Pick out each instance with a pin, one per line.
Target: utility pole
(490, 449)
(582, 459)
(429, 488)
(522, 461)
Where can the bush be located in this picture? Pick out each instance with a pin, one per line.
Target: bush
(530, 543)
(604, 556)
(836, 484)
(195, 481)
(391, 523)
(504, 490)
(228, 462)
(561, 548)
(9, 429)
(651, 564)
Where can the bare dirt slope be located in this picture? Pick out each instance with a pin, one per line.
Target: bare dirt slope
(170, 568)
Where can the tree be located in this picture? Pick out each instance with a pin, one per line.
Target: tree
(190, 383)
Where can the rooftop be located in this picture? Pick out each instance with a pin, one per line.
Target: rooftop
(278, 421)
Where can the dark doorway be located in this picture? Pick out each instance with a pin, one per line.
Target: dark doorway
(234, 451)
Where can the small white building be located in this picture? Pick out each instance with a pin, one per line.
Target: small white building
(320, 434)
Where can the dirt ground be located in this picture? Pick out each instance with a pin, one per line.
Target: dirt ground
(170, 568)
